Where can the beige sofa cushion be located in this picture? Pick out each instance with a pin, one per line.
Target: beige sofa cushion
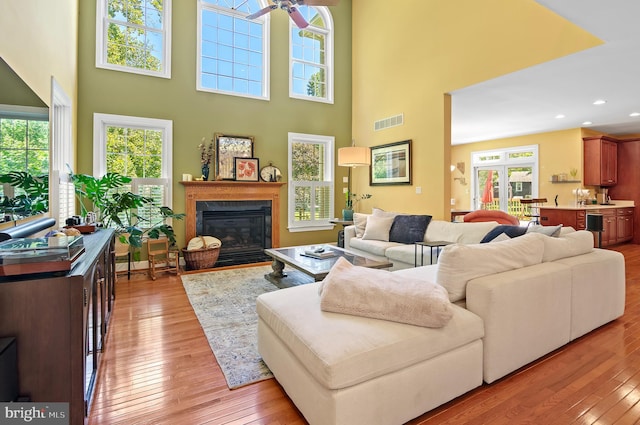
(460, 263)
(360, 222)
(567, 245)
(381, 294)
(377, 228)
(341, 350)
(440, 230)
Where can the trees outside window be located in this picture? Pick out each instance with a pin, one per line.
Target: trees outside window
(233, 52)
(24, 143)
(311, 182)
(139, 148)
(134, 36)
(311, 58)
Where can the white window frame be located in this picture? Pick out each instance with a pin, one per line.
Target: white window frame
(312, 225)
(62, 199)
(100, 124)
(266, 54)
(501, 159)
(102, 25)
(328, 32)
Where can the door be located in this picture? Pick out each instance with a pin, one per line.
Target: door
(501, 188)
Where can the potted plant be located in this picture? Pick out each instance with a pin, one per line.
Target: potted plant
(34, 200)
(117, 209)
(351, 199)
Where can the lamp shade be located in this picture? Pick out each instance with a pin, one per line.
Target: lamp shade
(354, 156)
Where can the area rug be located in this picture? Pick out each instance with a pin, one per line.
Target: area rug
(225, 304)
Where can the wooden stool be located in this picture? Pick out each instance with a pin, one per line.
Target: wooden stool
(159, 253)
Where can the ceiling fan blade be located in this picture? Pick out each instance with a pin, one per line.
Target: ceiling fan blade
(297, 17)
(262, 12)
(318, 2)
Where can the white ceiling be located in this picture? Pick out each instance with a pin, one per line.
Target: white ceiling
(527, 101)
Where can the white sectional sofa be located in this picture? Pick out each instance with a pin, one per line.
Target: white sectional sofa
(511, 302)
(404, 255)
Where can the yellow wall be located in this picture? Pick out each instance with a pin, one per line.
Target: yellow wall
(406, 59)
(39, 39)
(558, 152)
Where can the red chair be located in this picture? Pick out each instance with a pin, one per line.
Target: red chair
(490, 215)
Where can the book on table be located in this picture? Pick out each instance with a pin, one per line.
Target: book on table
(320, 253)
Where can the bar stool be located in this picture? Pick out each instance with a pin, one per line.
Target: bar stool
(534, 209)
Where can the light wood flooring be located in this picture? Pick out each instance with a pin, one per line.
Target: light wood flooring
(158, 369)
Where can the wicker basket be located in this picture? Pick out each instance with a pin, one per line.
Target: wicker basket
(198, 259)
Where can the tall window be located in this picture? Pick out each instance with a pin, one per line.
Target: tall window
(24, 142)
(311, 75)
(310, 182)
(233, 52)
(139, 148)
(134, 36)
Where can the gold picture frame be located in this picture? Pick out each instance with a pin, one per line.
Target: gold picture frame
(228, 148)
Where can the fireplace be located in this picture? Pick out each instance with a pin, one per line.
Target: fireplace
(243, 227)
(254, 208)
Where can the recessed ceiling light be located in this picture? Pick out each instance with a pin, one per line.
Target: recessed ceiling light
(587, 123)
(559, 116)
(600, 102)
(634, 114)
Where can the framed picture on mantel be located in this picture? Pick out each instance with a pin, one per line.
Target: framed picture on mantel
(227, 149)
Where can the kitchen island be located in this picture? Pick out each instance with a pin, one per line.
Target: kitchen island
(617, 220)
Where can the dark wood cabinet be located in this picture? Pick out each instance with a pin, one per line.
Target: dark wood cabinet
(60, 325)
(600, 161)
(617, 222)
(624, 218)
(572, 218)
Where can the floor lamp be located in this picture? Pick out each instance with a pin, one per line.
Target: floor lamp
(353, 156)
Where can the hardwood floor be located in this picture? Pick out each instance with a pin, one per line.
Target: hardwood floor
(158, 369)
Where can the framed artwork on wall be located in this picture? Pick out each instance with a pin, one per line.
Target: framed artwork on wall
(227, 149)
(247, 169)
(391, 164)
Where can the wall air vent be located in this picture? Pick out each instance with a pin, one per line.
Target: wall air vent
(388, 122)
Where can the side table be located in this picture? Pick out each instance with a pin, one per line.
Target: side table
(344, 223)
(433, 244)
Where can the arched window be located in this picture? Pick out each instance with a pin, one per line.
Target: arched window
(311, 56)
(233, 52)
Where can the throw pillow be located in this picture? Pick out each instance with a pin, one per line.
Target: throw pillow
(382, 213)
(380, 294)
(568, 245)
(553, 231)
(360, 221)
(409, 228)
(501, 237)
(377, 228)
(509, 230)
(458, 263)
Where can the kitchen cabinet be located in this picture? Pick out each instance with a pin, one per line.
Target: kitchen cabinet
(624, 217)
(600, 161)
(566, 217)
(617, 222)
(60, 324)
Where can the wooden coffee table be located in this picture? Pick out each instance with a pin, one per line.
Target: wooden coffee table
(315, 268)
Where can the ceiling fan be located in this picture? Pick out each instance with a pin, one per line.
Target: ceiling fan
(292, 10)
